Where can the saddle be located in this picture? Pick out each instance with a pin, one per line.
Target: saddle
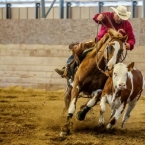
(79, 51)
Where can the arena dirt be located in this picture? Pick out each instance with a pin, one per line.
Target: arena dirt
(34, 117)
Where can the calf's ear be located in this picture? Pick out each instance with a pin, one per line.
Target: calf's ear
(109, 73)
(130, 66)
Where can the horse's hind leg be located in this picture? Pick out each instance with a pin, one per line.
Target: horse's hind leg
(92, 102)
(67, 97)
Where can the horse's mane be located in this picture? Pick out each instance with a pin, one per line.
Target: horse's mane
(98, 46)
(102, 43)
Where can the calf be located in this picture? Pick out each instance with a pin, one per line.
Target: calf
(124, 86)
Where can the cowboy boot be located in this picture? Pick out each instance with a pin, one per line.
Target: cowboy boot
(59, 71)
(63, 72)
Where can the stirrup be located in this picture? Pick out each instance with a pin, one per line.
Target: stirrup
(65, 74)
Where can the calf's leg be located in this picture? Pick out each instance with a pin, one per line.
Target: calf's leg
(102, 110)
(130, 107)
(116, 116)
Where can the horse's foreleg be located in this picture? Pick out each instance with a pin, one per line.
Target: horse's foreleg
(75, 93)
(65, 129)
(92, 102)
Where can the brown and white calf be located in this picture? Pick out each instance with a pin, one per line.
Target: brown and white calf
(124, 86)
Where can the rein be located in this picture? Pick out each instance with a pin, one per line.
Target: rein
(109, 22)
(123, 56)
(98, 65)
(97, 40)
(120, 57)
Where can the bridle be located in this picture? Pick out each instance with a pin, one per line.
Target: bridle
(120, 57)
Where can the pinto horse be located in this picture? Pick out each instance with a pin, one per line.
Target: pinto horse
(89, 76)
(124, 86)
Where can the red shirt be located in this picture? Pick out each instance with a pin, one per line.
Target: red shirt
(125, 25)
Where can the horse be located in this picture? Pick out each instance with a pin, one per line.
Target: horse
(123, 86)
(90, 76)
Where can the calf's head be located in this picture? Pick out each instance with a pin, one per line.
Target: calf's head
(119, 75)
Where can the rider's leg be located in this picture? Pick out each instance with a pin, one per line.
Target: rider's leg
(64, 71)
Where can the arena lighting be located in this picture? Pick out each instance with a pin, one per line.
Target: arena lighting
(74, 3)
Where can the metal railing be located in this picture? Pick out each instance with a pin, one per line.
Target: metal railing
(42, 4)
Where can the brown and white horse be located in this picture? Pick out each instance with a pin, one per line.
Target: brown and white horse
(124, 86)
(89, 76)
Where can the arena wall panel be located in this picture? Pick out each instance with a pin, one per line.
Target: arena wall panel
(23, 13)
(1, 13)
(15, 13)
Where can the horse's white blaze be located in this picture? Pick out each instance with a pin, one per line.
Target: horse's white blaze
(72, 106)
(113, 60)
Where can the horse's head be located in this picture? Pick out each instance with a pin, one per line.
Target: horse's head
(114, 48)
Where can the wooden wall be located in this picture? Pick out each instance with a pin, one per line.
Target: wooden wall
(33, 65)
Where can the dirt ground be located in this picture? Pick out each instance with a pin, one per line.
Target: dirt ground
(33, 117)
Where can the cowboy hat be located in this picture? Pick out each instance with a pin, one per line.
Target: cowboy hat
(121, 11)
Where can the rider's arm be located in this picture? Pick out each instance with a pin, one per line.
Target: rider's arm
(101, 17)
(130, 33)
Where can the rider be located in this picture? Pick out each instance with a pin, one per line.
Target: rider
(119, 19)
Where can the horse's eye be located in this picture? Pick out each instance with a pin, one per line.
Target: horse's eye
(109, 48)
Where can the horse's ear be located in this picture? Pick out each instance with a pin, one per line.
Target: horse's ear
(111, 32)
(130, 66)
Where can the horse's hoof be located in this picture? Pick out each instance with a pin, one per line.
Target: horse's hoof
(65, 129)
(80, 116)
(109, 126)
(101, 124)
(63, 134)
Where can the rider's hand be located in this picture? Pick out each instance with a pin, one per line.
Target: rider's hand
(122, 32)
(127, 46)
(100, 17)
